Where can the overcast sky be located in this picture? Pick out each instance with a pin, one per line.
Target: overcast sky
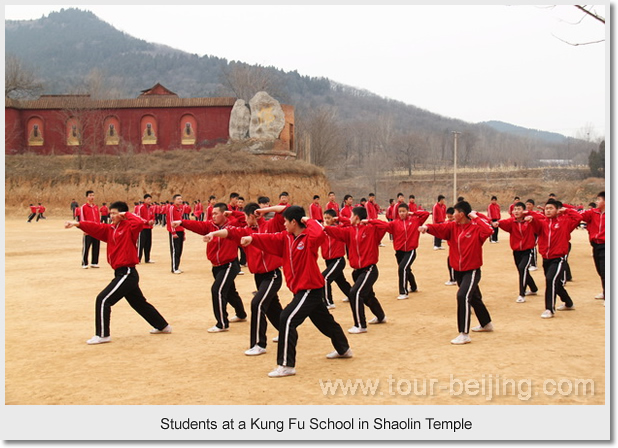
(474, 63)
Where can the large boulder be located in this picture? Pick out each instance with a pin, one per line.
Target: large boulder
(239, 121)
(267, 117)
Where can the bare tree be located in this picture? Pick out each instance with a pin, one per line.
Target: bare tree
(20, 81)
(320, 128)
(244, 81)
(407, 149)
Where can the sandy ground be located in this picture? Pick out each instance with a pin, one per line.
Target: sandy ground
(49, 309)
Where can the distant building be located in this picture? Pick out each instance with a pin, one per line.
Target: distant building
(156, 120)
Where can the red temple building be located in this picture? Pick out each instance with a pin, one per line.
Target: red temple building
(156, 120)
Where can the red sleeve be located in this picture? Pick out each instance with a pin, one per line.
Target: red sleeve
(422, 216)
(236, 233)
(506, 224)
(272, 243)
(199, 227)
(442, 231)
(96, 230)
(237, 219)
(339, 233)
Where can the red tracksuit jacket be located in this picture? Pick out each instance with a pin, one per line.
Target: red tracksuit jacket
(362, 241)
(146, 212)
(299, 254)
(174, 214)
(555, 233)
(89, 213)
(493, 211)
(332, 206)
(220, 250)
(465, 241)
(372, 210)
(315, 212)
(405, 233)
(121, 239)
(439, 213)
(258, 261)
(522, 233)
(595, 220)
(332, 248)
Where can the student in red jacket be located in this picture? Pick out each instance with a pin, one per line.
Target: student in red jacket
(595, 224)
(223, 254)
(412, 205)
(315, 210)
(373, 209)
(33, 212)
(267, 276)
(144, 243)
(362, 239)
(332, 203)
(522, 240)
(465, 236)
(104, 211)
(90, 212)
(493, 213)
(177, 235)
(121, 237)
(298, 247)
(404, 229)
(346, 211)
(516, 199)
(554, 230)
(198, 211)
(333, 252)
(212, 200)
(438, 216)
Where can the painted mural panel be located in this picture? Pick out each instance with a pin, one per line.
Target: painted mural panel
(188, 125)
(112, 129)
(73, 132)
(35, 132)
(149, 130)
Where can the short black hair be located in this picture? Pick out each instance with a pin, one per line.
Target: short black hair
(120, 206)
(331, 192)
(464, 207)
(403, 205)
(315, 196)
(295, 213)
(240, 198)
(555, 203)
(516, 197)
(601, 194)
(494, 198)
(399, 194)
(531, 201)
(88, 192)
(460, 198)
(440, 197)
(234, 195)
(221, 206)
(346, 197)
(361, 212)
(283, 193)
(250, 208)
(175, 196)
(371, 195)
(519, 204)
(330, 212)
(592, 204)
(450, 210)
(212, 196)
(363, 200)
(411, 197)
(147, 196)
(263, 200)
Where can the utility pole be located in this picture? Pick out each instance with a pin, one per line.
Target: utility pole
(455, 135)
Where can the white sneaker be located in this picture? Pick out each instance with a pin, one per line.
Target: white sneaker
(241, 273)
(254, 351)
(563, 307)
(376, 321)
(85, 266)
(600, 296)
(345, 299)
(150, 261)
(276, 339)
(335, 354)
(531, 293)
(237, 319)
(98, 340)
(166, 330)
(450, 283)
(177, 271)
(488, 327)
(533, 268)
(436, 248)
(282, 371)
(357, 330)
(520, 299)
(463, 338)
(330, 306)
(440, 248)
(381, 245)
(216, 329)
(94, 265)
(547, 314)
(402, 297)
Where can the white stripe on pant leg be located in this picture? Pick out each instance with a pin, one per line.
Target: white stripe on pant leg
(358, 295)
(120, 282)
(227, 271)
(287, 327)
(467, 315)
(525, 279)
(259, 309)
(84, 253)
(553, 285)
(173, 253)
(405, 272)
(139, 243)
(326, 279)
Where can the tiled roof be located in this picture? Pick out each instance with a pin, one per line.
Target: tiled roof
(83, 102)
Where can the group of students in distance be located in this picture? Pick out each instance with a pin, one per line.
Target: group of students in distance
(290, 241)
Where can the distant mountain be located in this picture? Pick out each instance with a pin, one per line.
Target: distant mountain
(551, 137)
(73, 51)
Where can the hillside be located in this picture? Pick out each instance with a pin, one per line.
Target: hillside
(339, 127)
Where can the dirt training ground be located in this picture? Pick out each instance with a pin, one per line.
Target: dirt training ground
(49, 302)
